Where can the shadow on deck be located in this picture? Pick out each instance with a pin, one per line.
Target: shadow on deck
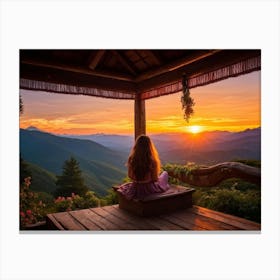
(112, 218)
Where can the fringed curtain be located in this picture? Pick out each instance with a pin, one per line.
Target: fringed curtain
(76, 90)
(242, 67)
(164, 90)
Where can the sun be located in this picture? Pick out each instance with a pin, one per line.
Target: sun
(194, 129)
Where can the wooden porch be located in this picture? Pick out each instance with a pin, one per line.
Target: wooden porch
(112, 218)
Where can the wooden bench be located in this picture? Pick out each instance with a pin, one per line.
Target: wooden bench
(176, 198)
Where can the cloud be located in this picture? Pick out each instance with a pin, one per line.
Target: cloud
(228, 105)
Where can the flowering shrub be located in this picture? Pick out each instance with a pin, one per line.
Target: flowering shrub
(32, 210)
(75, 202)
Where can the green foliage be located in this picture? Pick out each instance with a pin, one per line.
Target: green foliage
(126, 180)
(75, 202)
(233, 196)
(238, 184)
(20, 105)
(250, 162)
(24, 170)
(177, 169)
(187, 101)
(246, 204)
(32, 209)
(42, 180)
(45, 197)
(110, 199)
(71, 180)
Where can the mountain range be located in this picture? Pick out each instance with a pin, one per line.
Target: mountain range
(203, 148)
(101, 167)
(102, 157)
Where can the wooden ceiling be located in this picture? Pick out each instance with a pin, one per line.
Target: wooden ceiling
(131, 71)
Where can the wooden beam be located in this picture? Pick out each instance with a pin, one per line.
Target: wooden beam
(175, 65)
(62, 77)
(125, 62)
(113, 75)
(77, 69)
(139, 116)
(155, 56)
(95, 60)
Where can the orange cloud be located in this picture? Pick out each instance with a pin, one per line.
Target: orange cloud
(233, 105)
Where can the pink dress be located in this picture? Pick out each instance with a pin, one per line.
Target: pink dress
(139, 190)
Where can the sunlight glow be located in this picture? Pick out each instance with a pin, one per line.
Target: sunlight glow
(194, 129)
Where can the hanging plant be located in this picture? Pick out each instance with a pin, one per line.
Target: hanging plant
(186, 100)
(20, 105)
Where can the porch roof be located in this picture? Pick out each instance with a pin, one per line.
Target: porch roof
(124, 74)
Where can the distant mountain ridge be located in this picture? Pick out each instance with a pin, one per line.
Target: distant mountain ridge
(116, 142)
(102, 157)
(208, 147)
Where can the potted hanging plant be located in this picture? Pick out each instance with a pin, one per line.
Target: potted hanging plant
(186, 100)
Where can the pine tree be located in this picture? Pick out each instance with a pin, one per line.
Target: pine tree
(71, 180)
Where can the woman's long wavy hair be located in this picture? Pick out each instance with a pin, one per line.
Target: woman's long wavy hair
(143, 159)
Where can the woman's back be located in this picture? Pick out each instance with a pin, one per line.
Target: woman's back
(143, 169)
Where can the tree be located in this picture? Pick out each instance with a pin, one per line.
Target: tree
(24, 171)
(71, 180)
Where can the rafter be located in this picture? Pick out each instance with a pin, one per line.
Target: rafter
(175, 65)
(96, 59)
(125, 62)
(81, 70)
(155, 56)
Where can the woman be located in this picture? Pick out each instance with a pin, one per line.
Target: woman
(143, 169)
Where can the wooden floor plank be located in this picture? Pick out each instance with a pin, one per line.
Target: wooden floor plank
(226, 218)
(120, 223)
(138, 222)
(186, 224)
(100, 221)
(53, 224)
(82, 217)
(154, 223)
(162, 224)
(203, 222)
(114, 218)
(68, 222)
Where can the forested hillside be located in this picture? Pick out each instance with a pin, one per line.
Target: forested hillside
(101, 167)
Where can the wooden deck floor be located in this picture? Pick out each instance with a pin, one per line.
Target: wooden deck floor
(116, 219)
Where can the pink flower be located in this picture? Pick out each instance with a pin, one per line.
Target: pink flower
(28, 212)
(69, 198)
(72, 194)
(22, 214)
(27, 181)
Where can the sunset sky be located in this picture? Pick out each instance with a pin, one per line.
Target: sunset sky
(232, 105)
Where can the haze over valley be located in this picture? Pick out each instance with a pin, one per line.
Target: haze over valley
(102, 157)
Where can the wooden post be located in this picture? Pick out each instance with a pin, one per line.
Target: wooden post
(139, 116)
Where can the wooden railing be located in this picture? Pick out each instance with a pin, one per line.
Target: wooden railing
(213, 175)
